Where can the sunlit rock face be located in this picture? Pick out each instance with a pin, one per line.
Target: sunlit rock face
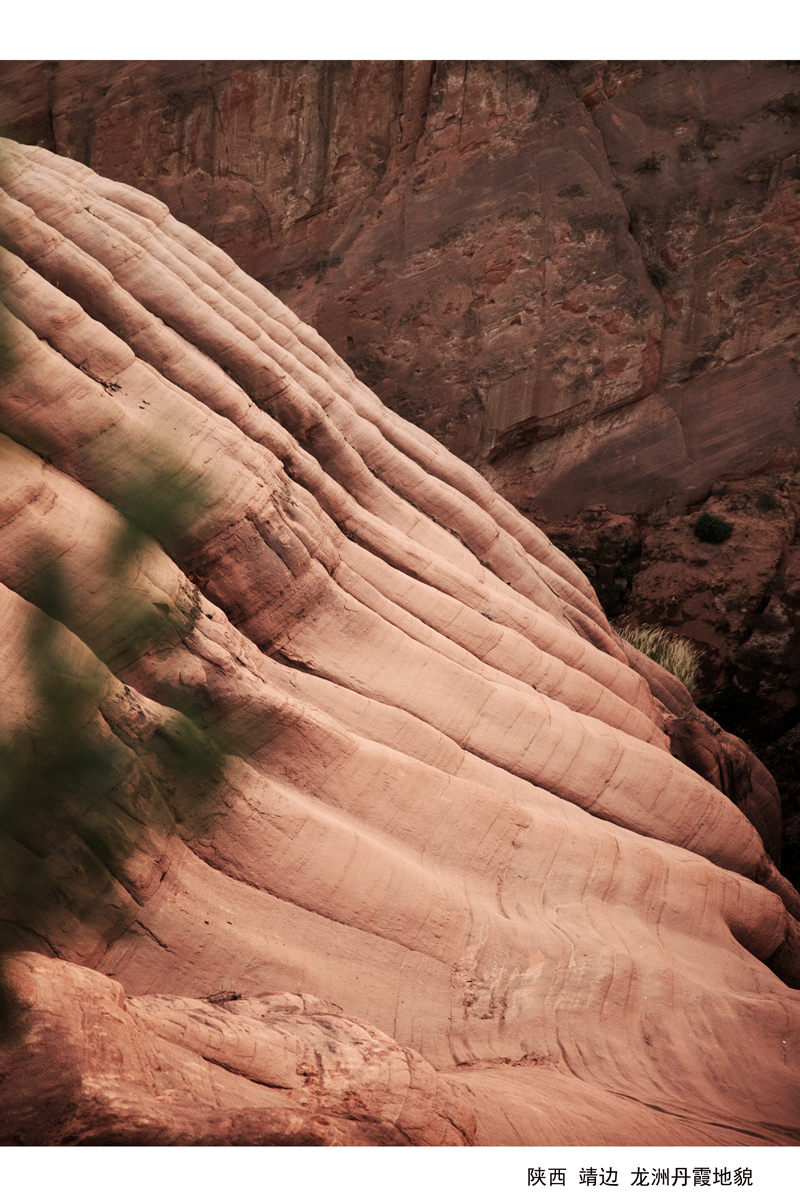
(580, 276)
(334, 803)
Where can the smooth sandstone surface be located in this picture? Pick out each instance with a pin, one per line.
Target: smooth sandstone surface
(581, 276)
(446, 861)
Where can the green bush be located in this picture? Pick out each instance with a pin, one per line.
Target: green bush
(672, 652)
(787, 106)
(709, 528)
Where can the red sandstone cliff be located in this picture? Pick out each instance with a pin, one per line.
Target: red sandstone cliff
(581, 277)
(358, 824)
(582, 274)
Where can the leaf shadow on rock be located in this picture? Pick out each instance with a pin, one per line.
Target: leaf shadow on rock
(80, 798)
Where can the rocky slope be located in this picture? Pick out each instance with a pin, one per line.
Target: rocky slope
(737, 601)
(347, 818)
(582, 277)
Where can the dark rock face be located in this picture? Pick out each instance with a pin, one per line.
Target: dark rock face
(579, 276)
(784, 757)
(737, 601)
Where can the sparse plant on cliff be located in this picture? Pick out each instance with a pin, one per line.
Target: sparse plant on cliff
(657, 273)
(672, 652)
(787, 106)
(651, 163)
(328, 260)
(710, 528)
(767, 502)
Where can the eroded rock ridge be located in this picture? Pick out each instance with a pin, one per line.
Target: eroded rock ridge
(364, 825)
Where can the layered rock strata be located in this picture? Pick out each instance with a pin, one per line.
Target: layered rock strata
(580, 276)
(358, 823)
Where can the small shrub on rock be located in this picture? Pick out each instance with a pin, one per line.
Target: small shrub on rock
(651, 163)
(766, 502)
(672, 652)
(710, 528)
(787, 106)
(657, 273)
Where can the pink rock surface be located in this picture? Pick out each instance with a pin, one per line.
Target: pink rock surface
(580, 276)
(281, 1069)
(445, 803)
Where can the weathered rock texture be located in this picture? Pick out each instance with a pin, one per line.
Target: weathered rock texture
(581, 276)
(738, 602)
(355, 820)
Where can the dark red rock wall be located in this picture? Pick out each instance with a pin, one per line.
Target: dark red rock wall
(582, 277)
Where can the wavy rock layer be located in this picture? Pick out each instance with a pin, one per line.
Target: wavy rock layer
(450, 802)
(580, 276)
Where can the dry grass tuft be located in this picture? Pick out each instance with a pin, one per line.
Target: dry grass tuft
(672, 652)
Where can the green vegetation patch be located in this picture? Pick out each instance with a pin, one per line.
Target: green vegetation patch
(651, 163)
(658, 274)
(710, 528)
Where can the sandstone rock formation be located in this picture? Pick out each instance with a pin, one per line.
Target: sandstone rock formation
(737, 601)
(581, 277)
(348, 818)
